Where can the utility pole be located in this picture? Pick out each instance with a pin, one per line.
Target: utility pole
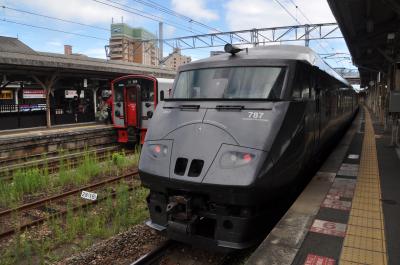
(307, 36)
(160, 42)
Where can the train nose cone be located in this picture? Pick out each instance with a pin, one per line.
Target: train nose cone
(194, 149)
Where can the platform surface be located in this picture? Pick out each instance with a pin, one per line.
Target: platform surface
(63, 129)
(350, 212)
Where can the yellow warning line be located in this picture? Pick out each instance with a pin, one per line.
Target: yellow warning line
(365, 241)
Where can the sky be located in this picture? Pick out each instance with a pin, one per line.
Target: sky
(90, 30)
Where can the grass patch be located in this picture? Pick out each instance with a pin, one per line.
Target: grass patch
(24, 181)
(81, 228)
(34, 180)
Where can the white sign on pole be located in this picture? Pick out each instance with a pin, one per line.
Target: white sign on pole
(73, 93)
(33, 93)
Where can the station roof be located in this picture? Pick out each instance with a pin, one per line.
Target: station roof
(17, 58)
(371, 29)
(8, 44)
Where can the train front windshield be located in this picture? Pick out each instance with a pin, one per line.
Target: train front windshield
(230, 83)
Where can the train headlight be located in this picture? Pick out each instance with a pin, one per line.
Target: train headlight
(158, 150)
(235, 159)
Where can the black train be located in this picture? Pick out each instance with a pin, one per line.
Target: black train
(233, 137)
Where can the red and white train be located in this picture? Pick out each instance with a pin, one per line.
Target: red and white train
(135, 99)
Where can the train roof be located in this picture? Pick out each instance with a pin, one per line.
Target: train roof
(273, 52)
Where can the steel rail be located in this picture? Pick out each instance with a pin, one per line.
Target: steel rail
(155, 255)
(54, 163)
(57, 214)
(33, 157)
(68, 193)
(54, 166)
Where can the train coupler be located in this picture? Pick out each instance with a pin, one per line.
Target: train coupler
(179, 208)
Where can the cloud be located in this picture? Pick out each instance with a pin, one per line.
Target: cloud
(54, 43)
(83, 11)
(169, 31)
(95, 52)
(268, 13)
(196, 9)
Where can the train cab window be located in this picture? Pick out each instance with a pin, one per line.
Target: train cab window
(230, 83)
(131, 94)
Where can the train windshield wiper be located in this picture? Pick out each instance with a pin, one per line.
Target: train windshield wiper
(189, 107)
(230, 107)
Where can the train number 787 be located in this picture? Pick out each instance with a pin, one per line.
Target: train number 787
(255, 115)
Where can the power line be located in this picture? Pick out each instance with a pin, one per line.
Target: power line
(142, 14)
(304, 15)
(52, 29)
(54, 18)
(291, 15)
(300, 11)
(169, 11)
(287, 11)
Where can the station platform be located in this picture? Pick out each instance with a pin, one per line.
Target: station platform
(35, 141)
(349, 213)
(43, 131)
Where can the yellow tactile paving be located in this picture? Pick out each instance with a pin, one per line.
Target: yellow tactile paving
(365, 236)
(363, 242)
(363, 256)
(370, 195)
(361, 231)
(344, 262)
(366, 214)
(365, 222)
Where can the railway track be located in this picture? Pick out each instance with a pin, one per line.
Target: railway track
(53, 163)
(154, 256)
(170, 252)
(55, 205)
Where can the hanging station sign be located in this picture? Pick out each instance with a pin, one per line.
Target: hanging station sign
(73, 93)
(33, 93)
(6, 94)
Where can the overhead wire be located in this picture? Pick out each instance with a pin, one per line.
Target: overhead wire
(309, 21)
(291, 15)
(77, 23)
(52, 29)
(169, 11)
(139, 12)
(54, 18)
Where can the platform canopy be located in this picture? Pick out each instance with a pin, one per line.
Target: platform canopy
(17, 58)
(371, 29)
(18, 62)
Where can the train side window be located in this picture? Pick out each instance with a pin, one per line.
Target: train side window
(296, 94)
(306, 84)
(161, 95)
(301, 89)
(313, 84)
(298, 85)
(305, 92)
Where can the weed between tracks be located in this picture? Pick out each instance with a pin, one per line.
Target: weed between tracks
(62, 237)
(35, 180)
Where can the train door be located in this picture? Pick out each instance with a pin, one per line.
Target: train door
(118, 106)
(132, 105)
(148, 101)
(316, 96)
